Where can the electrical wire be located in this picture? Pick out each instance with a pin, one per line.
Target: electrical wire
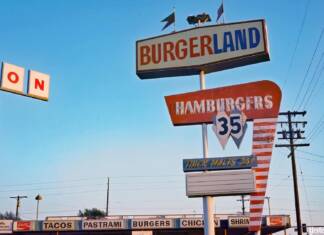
(308, 69)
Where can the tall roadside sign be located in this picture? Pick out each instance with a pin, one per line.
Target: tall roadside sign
(210, 49)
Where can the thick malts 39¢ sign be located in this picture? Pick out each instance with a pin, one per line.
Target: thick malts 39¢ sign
(210, 48)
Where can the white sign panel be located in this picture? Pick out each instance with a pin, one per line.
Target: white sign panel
(211, 48)
(61, 225)
(220, 183)
(197, 223)
(12, 78)
(38, 85)
(238, 221)
(103, 224)
(152, 223)
(5, 226)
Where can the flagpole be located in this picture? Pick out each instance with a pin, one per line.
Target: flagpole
(223, 12)
(174, 25)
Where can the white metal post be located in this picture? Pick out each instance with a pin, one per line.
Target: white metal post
(208, 201)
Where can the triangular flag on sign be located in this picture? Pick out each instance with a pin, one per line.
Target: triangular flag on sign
(220, 12)
(169, 20)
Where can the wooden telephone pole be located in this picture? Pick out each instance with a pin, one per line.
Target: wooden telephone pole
(292, 135)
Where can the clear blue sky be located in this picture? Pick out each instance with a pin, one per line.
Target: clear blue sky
(101, 120)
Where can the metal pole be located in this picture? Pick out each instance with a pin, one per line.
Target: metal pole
(107, 202)
(17, 207)
(37, 210)
(268, 199)
(294, 171)
(208, 201)
(243, 204)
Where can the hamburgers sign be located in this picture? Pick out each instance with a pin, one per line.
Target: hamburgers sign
(211, 48)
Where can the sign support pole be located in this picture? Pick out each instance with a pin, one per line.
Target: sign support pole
(208, 201)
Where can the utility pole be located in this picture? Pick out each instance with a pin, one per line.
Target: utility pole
(243, 200)
(292, 135)
(18, 204)
(268, 199)
(107, 202)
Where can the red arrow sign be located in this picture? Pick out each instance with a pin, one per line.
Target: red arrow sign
(256, 100)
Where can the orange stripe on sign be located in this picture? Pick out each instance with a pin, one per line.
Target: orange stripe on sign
(252, 210)
(263, 154)
(261, 146)
(264, 123)
(261, 169)
(260, 202)
(258, 194)
(270, 139)
(261, 177)
(265, 131)
(261, 185)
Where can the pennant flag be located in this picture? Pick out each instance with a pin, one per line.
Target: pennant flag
(169, 20)
(220, 12)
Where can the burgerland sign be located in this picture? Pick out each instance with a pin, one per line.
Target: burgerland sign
(210, 48)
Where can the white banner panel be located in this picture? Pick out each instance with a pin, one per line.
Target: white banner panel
(38, 85)
(209, 48)
(5, 226)
(58, 225)
(12, 78)
(103, 224)
(220, 183)
(238, 221)
(196, 223)
(152, 223)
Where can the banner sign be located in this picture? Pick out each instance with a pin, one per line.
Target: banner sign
(103, 224)
(197, 223)
(221, 163)
(152, 223)
(255, 99)
(278, 220)
(23, 226)
(238, 221)
(59, 225)
(5, 226)
(209, 48)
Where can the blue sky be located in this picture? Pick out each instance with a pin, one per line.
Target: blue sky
(102, 120)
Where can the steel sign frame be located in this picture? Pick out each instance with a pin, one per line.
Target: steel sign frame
(192, 69)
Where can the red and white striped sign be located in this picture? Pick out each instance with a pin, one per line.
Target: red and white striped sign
(264, 131)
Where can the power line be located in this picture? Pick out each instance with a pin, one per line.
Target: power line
(308, 68)
(297, 41)
(311, 87)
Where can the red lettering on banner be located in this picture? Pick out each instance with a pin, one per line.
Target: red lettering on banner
(13, 74)
(183, 51)
(205, 42)
(39, 84)
(168, 48)
(192, 46)
(156, 53)
(145, 55)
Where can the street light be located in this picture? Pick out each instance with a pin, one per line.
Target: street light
(38, 198)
